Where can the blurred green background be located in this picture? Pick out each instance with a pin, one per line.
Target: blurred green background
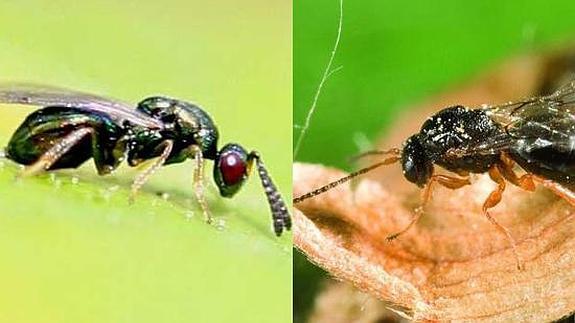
(395, 53)
(71, 248)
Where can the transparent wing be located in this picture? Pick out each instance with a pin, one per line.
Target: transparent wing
(550, 118)
(489, 146)
(538, 122)
(42, 95)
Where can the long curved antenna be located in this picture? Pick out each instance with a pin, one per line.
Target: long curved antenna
(347, 178)
(392, 151)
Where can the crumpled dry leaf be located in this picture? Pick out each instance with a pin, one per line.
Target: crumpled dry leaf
(453, 265)
(341, 303)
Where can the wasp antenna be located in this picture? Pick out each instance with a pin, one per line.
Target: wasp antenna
(280, 214)
(342, 180)
(393, 152)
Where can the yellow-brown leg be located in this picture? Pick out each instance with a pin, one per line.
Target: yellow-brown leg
(198, 179)
(444, 180)
(506, 168)
(151, 169)
(528, 181)
(58, 150)
(492, 200)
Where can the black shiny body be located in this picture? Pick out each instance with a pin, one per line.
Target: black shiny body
(544, 144)
(459, 127)
(184, 123)
(451, 128)
(550, 162)
(537, 133)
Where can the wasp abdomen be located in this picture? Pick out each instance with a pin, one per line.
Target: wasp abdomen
(548, 159)
(43, 128)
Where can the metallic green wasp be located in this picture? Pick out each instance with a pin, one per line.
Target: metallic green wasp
(72, 127)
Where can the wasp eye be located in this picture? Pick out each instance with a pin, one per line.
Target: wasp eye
(230, 169)
(233, 168)
(417, 167)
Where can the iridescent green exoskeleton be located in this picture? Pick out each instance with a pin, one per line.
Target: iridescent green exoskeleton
(72, 127)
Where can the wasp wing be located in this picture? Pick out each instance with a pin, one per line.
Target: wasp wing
(538, 122)
(542, 130)
(42, 95)
(546, 119)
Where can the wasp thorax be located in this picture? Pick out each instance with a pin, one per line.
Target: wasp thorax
(457, 129)
(159, 107)
(187, 123)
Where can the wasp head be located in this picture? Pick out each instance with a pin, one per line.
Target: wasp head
(231, 169)
(417, 167)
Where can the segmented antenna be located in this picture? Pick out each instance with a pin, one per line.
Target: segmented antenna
(392, 151)
(347, 178)
(280, 214)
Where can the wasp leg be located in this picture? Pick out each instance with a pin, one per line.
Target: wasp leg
(506, 168)
(444, 180)
(58, 150)
(145, 174)
(199, 182)
(492, 200)
(528, 181)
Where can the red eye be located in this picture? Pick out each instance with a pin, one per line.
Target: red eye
(233, 168)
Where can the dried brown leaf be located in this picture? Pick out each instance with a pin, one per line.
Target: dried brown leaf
(453, 265)
(341, 303)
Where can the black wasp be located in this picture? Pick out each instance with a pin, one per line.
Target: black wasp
(72, 127)
(537, 134)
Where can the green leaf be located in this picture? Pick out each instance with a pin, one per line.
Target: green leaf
(72, 248)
